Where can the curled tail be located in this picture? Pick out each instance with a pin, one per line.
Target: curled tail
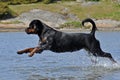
(94, 28)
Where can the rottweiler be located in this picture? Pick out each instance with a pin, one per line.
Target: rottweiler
(58, 41)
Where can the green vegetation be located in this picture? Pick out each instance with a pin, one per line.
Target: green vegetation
(15, 2)
(74, 24)
(71, 24)
(105, 9)
(92, 0)
(4, 11)
(12, 22)
(47, 1)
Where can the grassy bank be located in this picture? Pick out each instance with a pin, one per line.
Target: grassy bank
(103, 10)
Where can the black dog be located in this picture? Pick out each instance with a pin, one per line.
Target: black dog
(57, 41)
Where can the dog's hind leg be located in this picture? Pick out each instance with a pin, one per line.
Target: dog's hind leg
(93, 58)
(108, 55)
(98, 52)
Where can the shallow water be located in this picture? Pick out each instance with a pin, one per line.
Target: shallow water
(52, 66)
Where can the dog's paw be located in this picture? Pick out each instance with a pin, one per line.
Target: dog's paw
(31, 54)
(19, 52)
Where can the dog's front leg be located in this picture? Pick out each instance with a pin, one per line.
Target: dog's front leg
(31, 51)
(45, 44)
(35, 50)
(25, 50)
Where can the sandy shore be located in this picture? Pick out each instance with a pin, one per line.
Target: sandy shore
(102, 25)
(21, 28)
(12, 27)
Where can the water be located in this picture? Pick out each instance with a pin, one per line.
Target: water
(52, 66)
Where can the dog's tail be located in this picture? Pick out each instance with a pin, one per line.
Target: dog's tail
(94, 28)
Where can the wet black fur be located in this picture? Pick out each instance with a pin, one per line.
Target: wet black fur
(58, 41)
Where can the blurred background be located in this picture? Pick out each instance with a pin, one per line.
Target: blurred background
(60, 14)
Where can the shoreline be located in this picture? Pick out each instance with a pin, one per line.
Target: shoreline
(22, 29)
(12, 29)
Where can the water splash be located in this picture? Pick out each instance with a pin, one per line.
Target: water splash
(108, 65)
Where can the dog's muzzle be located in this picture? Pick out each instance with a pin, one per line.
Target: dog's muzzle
(30, 31)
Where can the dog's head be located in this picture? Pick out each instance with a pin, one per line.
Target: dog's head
(35, 27)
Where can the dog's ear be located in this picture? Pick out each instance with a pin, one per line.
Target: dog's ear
(39, 25)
